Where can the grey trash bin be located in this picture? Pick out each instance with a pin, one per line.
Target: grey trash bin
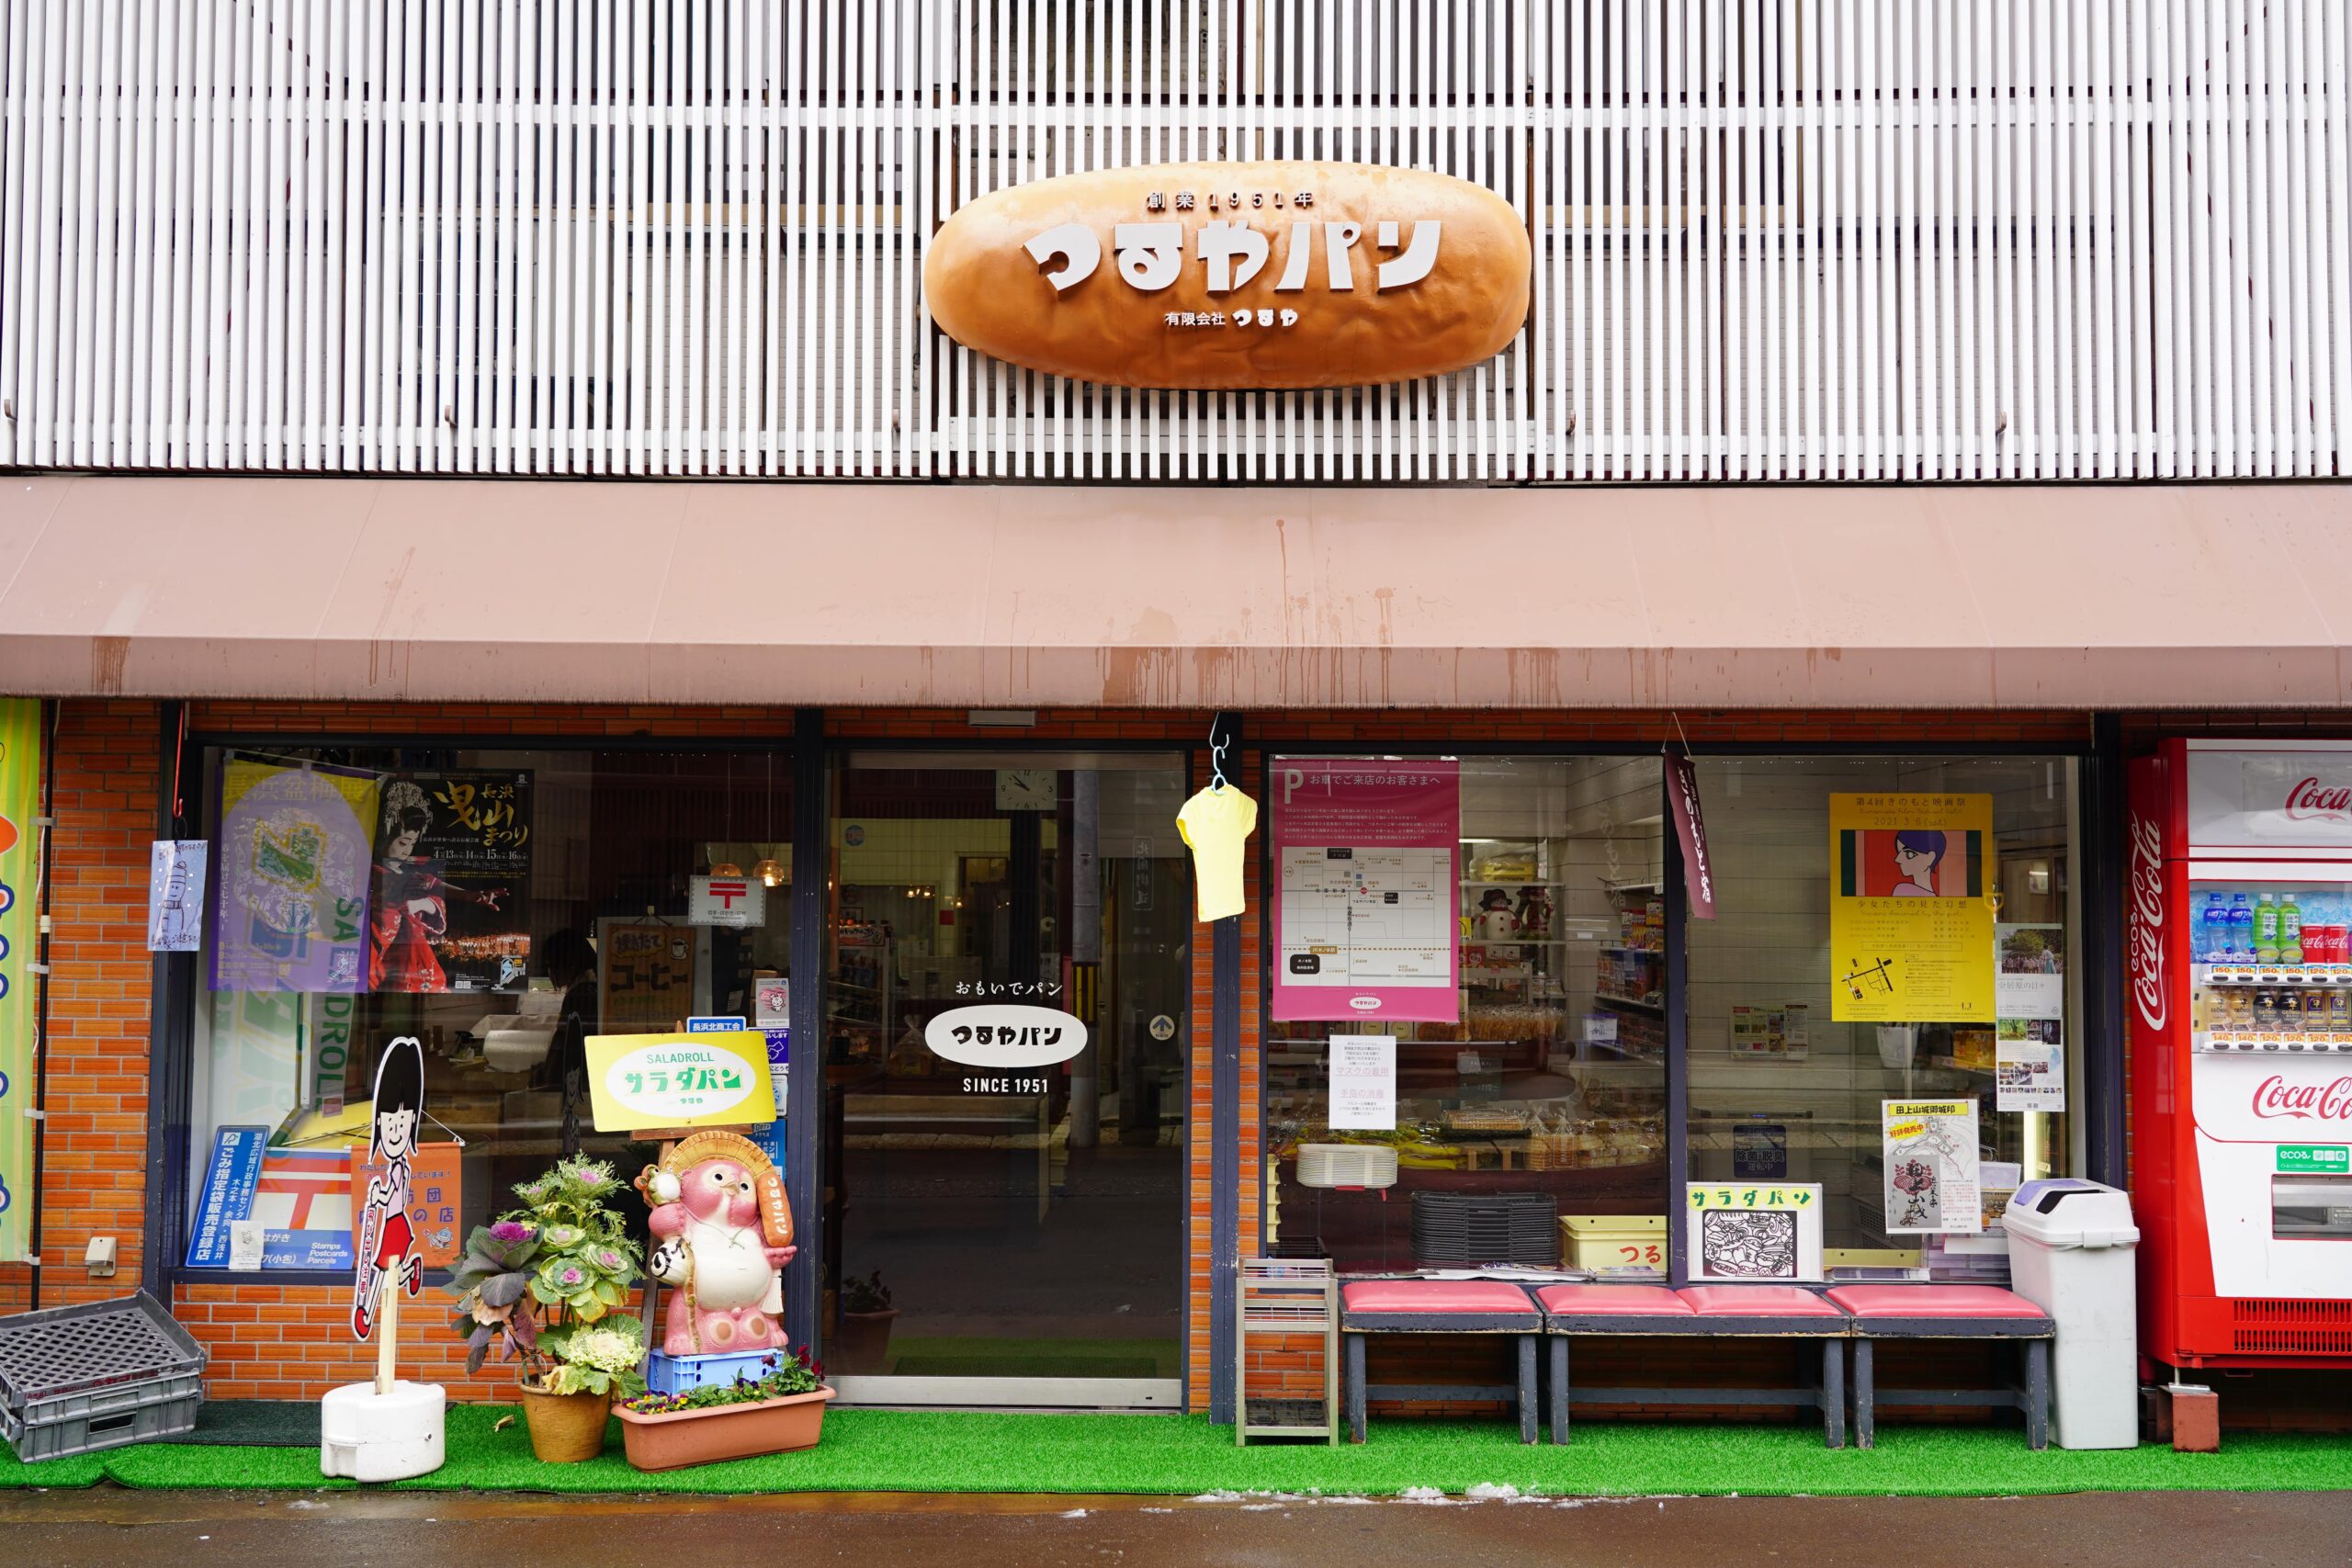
(2071, 1246)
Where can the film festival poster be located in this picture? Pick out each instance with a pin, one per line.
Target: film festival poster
(451, 909)
(1911, 924)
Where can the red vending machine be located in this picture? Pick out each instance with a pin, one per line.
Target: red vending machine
(2240, 1018)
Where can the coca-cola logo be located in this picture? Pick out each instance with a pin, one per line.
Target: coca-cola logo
(2274, 1096)
(2310, 800)
(2148, 921)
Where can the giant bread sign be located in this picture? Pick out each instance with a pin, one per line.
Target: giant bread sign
(1234, 275)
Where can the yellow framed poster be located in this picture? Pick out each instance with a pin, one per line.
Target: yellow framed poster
(1910, 915)
(718, 1079)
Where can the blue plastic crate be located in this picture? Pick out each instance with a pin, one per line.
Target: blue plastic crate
(675, 1374)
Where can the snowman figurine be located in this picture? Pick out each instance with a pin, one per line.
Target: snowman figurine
(1496, 922)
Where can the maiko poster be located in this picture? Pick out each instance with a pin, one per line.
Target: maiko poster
(1910, 926)
(1366, 851)
(452, 884)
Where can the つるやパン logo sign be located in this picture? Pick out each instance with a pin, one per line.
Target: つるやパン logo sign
(1234, 275)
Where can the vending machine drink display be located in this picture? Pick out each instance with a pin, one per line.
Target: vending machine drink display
(2240, 1017)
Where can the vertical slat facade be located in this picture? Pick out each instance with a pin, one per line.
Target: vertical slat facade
(1775, 240)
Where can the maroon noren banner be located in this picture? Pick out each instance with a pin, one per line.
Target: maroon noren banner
(1698, 871)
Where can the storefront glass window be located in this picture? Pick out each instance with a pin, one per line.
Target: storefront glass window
(500, 906)
(1536, 1068)
(1782, 1091)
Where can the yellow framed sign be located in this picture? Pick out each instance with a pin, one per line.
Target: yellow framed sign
(1910, 918)
(720, 1080)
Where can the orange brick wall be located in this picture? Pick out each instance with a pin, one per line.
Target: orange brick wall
(94, 1141)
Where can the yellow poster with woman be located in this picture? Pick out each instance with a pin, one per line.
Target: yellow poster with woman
(1910, 908)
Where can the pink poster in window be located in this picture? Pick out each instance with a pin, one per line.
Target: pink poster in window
(1366, 876)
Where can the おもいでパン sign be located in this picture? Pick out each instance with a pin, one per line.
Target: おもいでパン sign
(1234, 275)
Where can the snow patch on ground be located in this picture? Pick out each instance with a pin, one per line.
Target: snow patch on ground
(1492, 1490)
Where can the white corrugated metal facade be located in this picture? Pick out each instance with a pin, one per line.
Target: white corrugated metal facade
(1845, 239)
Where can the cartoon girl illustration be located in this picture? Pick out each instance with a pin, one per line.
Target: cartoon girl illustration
(1917, 852)
(386, 1241)
(410, 904)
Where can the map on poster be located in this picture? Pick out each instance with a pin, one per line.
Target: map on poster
(1928, 1147)
(1366, 851)
(1367, 917)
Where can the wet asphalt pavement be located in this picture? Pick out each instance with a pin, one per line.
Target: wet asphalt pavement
(105, 1528)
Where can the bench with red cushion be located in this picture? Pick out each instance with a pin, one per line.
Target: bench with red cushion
(1763, 1311)
(1948, 1312)
(1437, 1306)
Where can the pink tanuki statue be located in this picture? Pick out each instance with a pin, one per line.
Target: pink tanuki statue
(723, 1230)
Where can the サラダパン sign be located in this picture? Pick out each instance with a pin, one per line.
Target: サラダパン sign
(1232, 276)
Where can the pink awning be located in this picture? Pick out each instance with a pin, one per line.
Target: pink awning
(975, 595)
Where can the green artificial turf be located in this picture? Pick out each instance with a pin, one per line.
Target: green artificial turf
(978, 1451)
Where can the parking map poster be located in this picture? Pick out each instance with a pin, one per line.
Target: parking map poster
(1364, 913)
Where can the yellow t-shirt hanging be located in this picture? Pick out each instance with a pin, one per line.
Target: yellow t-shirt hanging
(1217, 824)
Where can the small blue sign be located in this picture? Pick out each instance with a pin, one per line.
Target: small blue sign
(714, 1025)
(227, 1195)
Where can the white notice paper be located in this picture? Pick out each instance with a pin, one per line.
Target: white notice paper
(1930, 1158)
(175, 894)
(2029, 1074)
(1364, 1082)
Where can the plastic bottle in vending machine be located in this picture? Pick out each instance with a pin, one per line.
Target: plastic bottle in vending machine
(2241, 929)
(2290, 929)
(2339, 1013)
(2266, 1010)
(2213, 930)
(2265, 930)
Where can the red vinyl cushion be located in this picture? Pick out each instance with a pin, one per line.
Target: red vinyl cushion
(1490, 1296)
(1933, 1301)
(1756, 1301)
(1649, 1300)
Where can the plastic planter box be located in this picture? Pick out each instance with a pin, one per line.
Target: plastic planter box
(728, 1431)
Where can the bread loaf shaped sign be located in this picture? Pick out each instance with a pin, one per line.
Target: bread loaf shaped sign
(1234, 275)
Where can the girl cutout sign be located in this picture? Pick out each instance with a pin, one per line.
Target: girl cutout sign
(387, 1244)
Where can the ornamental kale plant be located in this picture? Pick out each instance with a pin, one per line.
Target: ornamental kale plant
(537, 1275)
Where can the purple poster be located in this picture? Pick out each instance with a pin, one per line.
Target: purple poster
(291, 885)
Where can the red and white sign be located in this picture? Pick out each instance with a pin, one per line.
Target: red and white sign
(2147, 921)
(2289, 797)
(726, 901)
(2331, 1101)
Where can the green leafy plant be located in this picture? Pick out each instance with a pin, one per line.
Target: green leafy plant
(783, 1379)
(867, 1295)
(535, 1276)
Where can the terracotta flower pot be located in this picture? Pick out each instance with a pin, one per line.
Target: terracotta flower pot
(566, 1428)
(862, 1345)
(724, 1431)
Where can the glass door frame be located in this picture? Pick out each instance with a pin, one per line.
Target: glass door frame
(1121, 1394)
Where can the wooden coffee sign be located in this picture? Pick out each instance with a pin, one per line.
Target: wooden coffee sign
(1233, 275)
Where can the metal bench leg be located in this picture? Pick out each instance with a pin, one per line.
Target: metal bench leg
(1355, 1386)
(1833, 1392)
(1865, 1420)
(1527, 1388)
(2037, 1393)
(1559, 1390)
